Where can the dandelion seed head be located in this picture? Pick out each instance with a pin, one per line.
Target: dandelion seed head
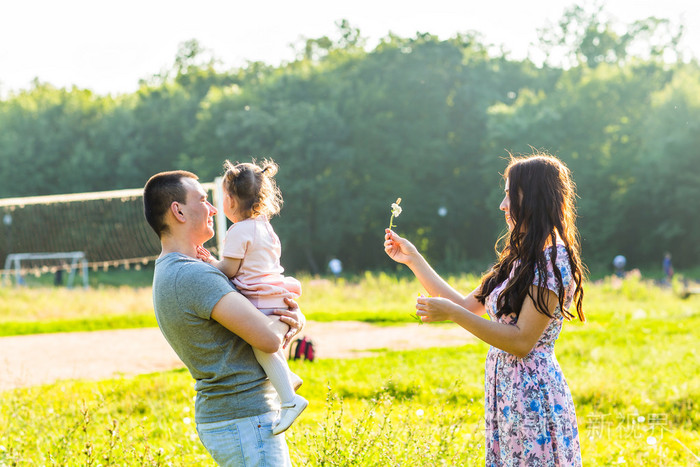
(651, 440)
(187, 420)
(420, 412)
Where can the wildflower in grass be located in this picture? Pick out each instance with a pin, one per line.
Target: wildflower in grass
(395, 212)
(420, 412)
(416, 317)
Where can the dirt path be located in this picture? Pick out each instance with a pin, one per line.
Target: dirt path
(45, 358)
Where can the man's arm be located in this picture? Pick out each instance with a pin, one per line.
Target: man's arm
(239, 316)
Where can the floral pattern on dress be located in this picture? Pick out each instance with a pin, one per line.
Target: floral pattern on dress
(529, 411)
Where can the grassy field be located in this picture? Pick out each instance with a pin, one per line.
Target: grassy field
(632, 369)
(376, 298)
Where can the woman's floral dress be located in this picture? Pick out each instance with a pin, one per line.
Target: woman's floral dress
(530, 416)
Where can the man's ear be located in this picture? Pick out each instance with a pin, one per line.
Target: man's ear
(176, 211)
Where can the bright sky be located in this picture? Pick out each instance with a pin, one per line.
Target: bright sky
(107, 46)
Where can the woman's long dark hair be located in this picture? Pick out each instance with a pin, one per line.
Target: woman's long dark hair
(542, 208)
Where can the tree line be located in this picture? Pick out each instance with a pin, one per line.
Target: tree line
(431, 121)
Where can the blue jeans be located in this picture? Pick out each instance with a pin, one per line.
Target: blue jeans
(245, 442)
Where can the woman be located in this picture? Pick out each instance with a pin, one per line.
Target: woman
(530, 416)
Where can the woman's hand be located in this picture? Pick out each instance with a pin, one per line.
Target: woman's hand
(399, 249)
(434, 309)
(292, 317)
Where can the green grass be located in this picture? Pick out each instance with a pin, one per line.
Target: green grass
(373, 298)
(632, 369)
(52, 309)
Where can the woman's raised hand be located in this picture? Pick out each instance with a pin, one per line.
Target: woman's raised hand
(399, 249)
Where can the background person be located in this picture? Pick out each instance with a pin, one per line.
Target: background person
(668, 268)
(212, 327)
(335, 266)
(530, 415)
(619, 263)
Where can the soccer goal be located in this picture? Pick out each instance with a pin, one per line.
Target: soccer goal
(70, 261)
(82, 231)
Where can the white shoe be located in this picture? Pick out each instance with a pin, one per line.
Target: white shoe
(290, 412)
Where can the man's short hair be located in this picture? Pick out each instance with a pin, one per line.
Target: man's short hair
(159, 193)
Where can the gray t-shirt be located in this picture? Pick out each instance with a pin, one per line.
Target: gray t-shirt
(230, 383)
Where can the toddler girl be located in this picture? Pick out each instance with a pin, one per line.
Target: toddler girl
(251, 259)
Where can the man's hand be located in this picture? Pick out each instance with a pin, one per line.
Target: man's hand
(292, 317)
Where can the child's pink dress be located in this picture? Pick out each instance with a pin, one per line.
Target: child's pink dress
(259, 278)
(530, 416)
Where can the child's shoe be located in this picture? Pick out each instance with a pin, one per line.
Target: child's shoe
(290, 412)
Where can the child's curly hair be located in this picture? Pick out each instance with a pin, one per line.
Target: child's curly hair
(254, 186)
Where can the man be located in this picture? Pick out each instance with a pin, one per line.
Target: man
(212, 327)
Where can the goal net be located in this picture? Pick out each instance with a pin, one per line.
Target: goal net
(46, 234)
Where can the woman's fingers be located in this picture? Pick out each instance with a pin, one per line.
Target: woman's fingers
(424, 316)
(424, 309)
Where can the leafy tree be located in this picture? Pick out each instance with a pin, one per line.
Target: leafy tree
(431, 121)
(660, 203)
(586, 35)
(45, 135)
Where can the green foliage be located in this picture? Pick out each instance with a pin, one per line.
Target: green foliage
(425, 119)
